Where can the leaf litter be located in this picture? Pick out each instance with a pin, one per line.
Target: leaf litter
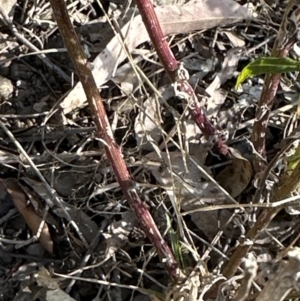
(168, 156)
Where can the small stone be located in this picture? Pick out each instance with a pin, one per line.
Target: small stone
(6, 89)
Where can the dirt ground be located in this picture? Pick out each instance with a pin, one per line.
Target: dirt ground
(65, 226)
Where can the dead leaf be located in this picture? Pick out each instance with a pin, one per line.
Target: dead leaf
(234, 39)
(32, 219)
(192, 176)
(198, 15)
(214, 103)
(194, 15)
(235, 177)
(196, 62)
(146, 126)
(53, 293)
(44, 279)
(190, 189)
(58, 295)
(6, 89)
(66, 182)
(229, 67)
(210, 222)
(192, 134)
(189, 186)
(126, 77)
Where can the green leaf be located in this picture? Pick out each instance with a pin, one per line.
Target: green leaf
(175, 243)
(293, 159)
(267, 65)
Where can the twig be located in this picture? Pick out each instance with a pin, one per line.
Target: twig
(104, 133)
(56, 200)
(262, 223)
(23, 40)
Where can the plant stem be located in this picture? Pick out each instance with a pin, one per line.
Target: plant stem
(264, 219)
(159, 41)
(285, 38)
(103, 129)
(171, 66)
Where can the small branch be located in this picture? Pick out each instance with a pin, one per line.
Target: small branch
(103, 129)
(264, 219)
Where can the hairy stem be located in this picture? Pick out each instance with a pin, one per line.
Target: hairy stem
(285, 38)
(158, 39)
(171, 66)
(128, 186)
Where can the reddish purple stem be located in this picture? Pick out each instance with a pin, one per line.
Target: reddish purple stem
(171, 66)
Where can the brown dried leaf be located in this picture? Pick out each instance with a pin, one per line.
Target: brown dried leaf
(192, 176)
(195, 15)
(234, 39)
(210, 222)
(44, 279)
(58, 295)
(229, 67)
(190, 190)
(235, 177)
(32, 219)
